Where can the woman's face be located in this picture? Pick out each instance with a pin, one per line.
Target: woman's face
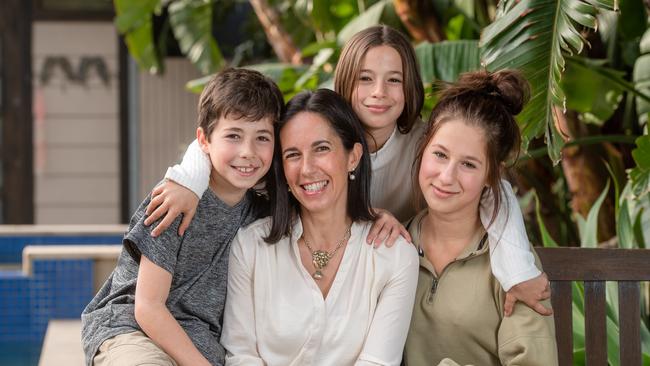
(378, 99)
(453, 171)
(316, 164)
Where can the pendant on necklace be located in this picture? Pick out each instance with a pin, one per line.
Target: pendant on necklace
(320, 259)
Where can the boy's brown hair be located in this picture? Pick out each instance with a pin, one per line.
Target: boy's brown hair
(239, 94)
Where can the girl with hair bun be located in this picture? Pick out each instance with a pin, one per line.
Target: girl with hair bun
(458, 313)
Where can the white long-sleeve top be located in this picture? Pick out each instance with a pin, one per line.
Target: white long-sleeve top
(392, 189)
(276, 315)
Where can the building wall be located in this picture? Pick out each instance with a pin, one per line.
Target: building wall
(167, 113)
(76, 123)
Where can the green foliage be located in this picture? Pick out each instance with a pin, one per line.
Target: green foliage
(531, 35)
(589, 228)
(592, 89)
(191, 22)
(366, 19)
(446, 60)
(134, 21)
(642, 77)
(640, 175)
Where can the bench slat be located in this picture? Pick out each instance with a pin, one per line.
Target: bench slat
(595, 324)
(630, 329)
(562, 309)
(595, 264)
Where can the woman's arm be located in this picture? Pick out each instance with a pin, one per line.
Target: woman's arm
(511, 259)
(387, 335)
(239, 336)
(181, 192)
(154, 318)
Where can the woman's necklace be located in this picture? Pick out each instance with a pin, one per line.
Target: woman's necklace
(321, 258)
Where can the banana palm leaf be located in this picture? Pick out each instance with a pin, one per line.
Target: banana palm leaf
(191, 22)
(531, 35)
(134, 21)
(446, 60)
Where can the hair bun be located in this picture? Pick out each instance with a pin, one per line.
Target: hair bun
(512, 88)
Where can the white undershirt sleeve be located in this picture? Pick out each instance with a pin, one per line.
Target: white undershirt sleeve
(194, 170)
(511, 258)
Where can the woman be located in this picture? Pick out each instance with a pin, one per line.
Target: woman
(303, 288)
(458, 312)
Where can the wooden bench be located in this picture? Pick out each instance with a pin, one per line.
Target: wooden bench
(594, 267)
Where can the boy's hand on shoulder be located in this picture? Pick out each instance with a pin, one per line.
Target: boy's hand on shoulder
(386, 229)
(531, 293)
(171, 199)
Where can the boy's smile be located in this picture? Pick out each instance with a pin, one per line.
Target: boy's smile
(240, 152)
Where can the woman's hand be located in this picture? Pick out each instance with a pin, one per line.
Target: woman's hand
(386, 229)
(531, 293)
(171, 199)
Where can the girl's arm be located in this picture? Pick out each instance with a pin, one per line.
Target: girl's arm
(511, 259)
(181, 192)
(387, 335)
(386, 229)
(527, 338)
(154, 318)
(194, 170)
(239, 337)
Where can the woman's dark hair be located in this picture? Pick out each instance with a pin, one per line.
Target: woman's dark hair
(348, 69)
(489, 101)
(340, 116)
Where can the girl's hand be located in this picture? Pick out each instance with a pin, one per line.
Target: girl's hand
(171, 199)
(386, 229)
(531, 293)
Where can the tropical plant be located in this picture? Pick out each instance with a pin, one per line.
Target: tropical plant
(629, 214)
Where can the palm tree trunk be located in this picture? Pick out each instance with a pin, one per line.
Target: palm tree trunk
(587, 176)
(279, 39)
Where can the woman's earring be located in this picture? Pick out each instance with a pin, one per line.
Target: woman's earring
(351, 175)
(288, 189)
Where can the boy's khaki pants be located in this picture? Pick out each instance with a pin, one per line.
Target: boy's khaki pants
(131, 349)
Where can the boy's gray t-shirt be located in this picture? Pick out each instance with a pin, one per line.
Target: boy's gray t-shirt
(198, 262)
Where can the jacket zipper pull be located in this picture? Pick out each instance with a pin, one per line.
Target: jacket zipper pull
(434, 287)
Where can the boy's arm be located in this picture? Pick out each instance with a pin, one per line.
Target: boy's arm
(154, 318)
(181, 192)
(512, 261)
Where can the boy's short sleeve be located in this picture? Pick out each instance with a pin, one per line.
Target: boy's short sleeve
(162, 250)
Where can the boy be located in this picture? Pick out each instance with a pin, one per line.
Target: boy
(173, 315)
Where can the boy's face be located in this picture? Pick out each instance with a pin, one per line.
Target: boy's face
(241, 153)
